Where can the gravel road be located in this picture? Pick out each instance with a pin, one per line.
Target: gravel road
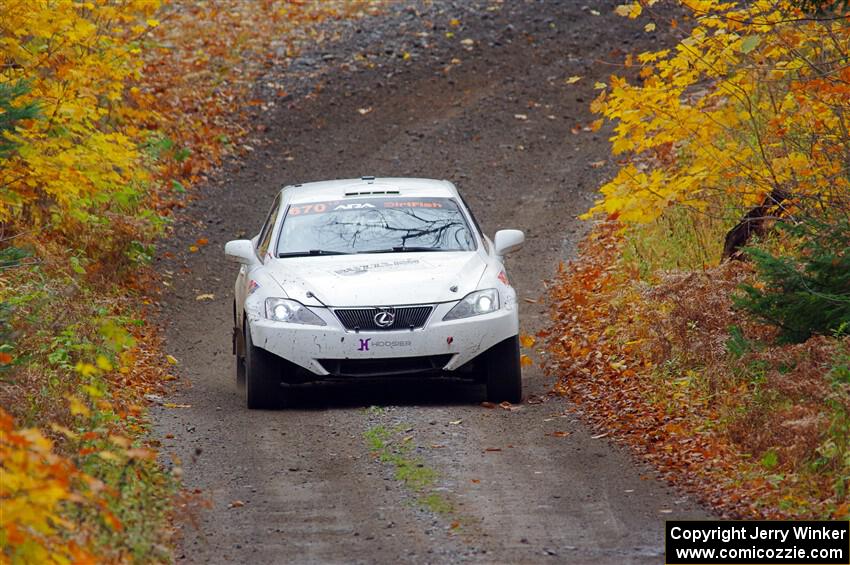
(488, 108)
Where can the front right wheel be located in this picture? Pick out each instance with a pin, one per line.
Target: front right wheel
(262, 376)
(504, 372)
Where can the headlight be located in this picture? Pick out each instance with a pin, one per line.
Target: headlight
(285, 310)
(475, 303)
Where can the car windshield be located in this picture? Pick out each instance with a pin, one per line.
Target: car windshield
(374, 225)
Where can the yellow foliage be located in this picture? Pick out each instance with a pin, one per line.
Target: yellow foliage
(77, 59)
(752, 104)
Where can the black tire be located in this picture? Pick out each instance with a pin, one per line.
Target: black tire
(262, 376)
(504, 372)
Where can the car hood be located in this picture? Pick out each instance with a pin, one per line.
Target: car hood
(379, 279)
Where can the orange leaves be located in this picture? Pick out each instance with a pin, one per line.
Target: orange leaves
(34, 484)
(648, 365)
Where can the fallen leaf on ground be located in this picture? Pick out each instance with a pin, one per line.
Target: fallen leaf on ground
(493, 449)
(520, 117)
(455, 422)
(175, 405)
(526, 341)
(171, 359)
(202, 241)
(467, 41)
(437, 446)
(573, 79)
(560, 434)
(208, 296)
(140, 453)
(236, 504)
(597, 164)
(364, 111)
(193, 249)
(599, 436)
(486, 404)
(505, 405)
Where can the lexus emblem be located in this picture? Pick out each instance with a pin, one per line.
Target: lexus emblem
(384, 318)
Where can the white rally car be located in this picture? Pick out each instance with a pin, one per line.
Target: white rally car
(373, 278)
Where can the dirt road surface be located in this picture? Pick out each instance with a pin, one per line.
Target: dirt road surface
(484, 104)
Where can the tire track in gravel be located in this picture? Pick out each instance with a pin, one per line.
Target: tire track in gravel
(311, 490)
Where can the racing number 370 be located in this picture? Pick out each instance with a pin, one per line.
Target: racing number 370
(308, 208)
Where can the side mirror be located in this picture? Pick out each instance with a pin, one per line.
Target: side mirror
(508, 241)
(241, 251)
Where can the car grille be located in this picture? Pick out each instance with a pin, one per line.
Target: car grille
(363, 319)
(392, 366)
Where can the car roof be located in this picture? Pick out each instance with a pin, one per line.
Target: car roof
(369, 186)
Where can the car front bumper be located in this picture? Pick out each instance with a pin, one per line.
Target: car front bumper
(315, 348)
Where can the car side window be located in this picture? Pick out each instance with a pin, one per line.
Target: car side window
(474, 220)
(268, 228)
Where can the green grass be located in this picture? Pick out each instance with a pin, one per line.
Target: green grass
(681, 239)
(391, 447)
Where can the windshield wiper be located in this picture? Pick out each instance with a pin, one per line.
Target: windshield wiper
(311, 253)
(405, 248)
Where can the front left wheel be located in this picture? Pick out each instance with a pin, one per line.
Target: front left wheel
(262, 376)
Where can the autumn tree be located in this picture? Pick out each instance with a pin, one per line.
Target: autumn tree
(748, 112)
(75, 61)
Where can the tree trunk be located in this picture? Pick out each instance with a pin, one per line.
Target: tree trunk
(754, 222)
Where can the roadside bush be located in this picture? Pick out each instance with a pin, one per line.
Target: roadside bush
(806, 292)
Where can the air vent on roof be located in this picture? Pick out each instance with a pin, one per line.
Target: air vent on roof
(369, 192)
